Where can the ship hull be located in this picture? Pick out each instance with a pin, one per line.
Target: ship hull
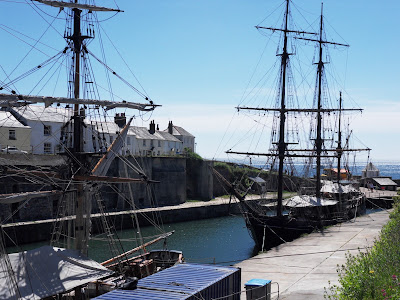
(271, 231)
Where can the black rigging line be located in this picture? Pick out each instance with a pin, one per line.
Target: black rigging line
(31, 71)
(20, 33)
(58, 76)
(126, 64)
(33, 5)
(278, 7)
(3, 83)
(104, 58)
(32, 47)
(50, 77)
(119, 77)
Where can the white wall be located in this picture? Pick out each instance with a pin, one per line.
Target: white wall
(38, 138)
(22, 141)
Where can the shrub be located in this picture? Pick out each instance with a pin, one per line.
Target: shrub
(192, 155)
(374, 274)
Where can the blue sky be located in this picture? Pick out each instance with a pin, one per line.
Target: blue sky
(195, 58)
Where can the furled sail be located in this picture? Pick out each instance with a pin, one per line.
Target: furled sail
(7, 100)
(62, 4)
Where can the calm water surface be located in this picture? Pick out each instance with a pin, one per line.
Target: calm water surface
(223, 241)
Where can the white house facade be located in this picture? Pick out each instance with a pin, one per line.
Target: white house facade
(181, 134)
(41, 130)
(46, 125)
(13, 133)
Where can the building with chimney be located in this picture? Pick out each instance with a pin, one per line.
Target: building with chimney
(41, 130)
(181, 134)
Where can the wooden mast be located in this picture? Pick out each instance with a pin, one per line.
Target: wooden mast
(76, 152)
(320, 110)
(339, 150)
(282, 144)
(82, 212)
(318, 139)
(282, 115)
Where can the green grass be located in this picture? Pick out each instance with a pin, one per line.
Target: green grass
(375, 273)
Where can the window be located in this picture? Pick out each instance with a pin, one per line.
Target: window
(159, 143)
(128, 140)
(111, 139)
(11, 134)
(152, 143)
(46, 129)
(144, 142)
(47, 148)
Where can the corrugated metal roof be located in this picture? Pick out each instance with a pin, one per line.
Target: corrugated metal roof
(139, 294)
(384, 181)
(178, 282)
(186, 278)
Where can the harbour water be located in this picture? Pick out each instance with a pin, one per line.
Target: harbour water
(223, 241)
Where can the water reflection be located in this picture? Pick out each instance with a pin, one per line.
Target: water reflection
(223, 241)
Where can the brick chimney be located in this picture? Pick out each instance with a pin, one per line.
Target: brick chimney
(152, 129)
(170, 127)
(120, 119)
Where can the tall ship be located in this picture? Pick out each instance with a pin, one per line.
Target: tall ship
(63, 268)
(323, 199)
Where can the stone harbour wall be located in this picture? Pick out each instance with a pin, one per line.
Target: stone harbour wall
(177, 179)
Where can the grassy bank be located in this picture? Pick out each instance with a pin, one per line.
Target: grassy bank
(374, 274)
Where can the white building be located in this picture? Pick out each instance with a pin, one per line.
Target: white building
(153, 142)
(41, 130)
(181, 134)
(370, 171)
(46, 125)
(13, 133)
